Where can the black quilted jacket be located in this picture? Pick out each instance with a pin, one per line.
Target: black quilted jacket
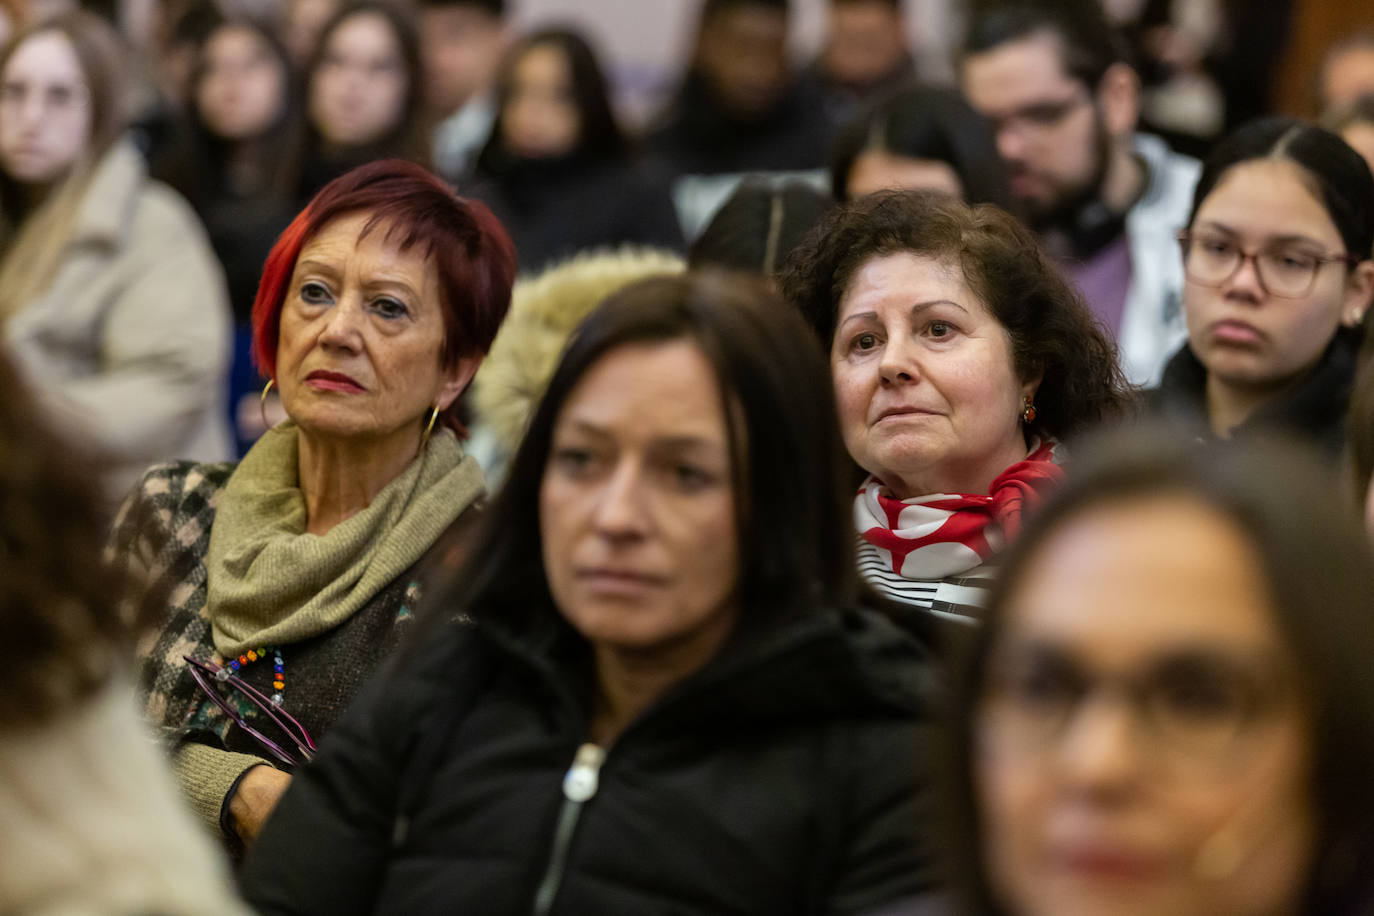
(788, 776)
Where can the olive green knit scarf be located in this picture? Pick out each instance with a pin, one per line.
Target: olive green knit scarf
(270, 583)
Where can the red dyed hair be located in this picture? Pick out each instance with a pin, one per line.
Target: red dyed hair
(468, 246)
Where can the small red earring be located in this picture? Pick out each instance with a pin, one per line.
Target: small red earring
(1027, 410)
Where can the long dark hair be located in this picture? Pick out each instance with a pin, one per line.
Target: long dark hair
(1319, 571)
(197, 163)
(792, 513)
(599, 137)
(925, 122)
(406, 140)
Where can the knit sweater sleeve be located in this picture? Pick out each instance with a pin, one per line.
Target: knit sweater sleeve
(208, 778)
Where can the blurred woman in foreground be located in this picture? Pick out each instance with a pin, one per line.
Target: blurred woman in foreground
(90, 821)
(1170, 709)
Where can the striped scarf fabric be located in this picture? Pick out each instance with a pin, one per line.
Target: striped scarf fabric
(934, 549)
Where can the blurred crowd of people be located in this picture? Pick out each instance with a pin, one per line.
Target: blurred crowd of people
(422, 490)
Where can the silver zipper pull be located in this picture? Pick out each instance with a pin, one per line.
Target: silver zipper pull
(581, 780)
(579, 785)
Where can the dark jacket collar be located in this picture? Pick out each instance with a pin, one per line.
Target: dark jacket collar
(1313, 408)
(528, 185)
(826, 663)
(696, 117)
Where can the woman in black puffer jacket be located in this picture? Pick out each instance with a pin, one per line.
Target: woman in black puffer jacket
(640, 699)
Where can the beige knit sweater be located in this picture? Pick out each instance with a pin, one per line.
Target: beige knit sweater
(91, 822)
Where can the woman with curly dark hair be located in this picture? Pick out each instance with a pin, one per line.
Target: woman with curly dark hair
(92, 821)
(961, 359)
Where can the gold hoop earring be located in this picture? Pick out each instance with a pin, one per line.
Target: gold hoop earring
(262, 403)
(1027, 410)
(429, 428)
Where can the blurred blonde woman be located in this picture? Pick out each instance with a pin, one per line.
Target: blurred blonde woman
(111, 301)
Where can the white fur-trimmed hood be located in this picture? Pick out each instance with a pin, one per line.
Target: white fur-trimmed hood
(545, 308)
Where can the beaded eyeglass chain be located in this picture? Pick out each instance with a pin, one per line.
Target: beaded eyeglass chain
(252, 655)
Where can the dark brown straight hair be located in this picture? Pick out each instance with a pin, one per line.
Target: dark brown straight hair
(406, 140)
(792, 509)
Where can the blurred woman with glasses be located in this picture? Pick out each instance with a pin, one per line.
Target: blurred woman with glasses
(1278, 277)
(1170, 708)
(111, 301)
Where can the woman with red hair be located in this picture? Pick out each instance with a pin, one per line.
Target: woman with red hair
(290, 574)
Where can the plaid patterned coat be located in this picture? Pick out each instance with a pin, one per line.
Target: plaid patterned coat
(162, 536)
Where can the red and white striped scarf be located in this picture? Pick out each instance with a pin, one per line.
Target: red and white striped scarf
(946, 534)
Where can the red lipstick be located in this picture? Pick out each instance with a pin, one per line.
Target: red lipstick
(322, 380)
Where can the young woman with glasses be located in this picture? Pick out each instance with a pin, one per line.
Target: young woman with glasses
(1170, 709)
(1278, 278)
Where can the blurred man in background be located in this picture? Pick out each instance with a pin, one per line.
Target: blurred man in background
(1107, 202)
(739, 108)
(1347, 72)
(866, 54)
(461, 46)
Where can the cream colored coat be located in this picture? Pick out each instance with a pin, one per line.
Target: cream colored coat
(130, 346)
(91, 825)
